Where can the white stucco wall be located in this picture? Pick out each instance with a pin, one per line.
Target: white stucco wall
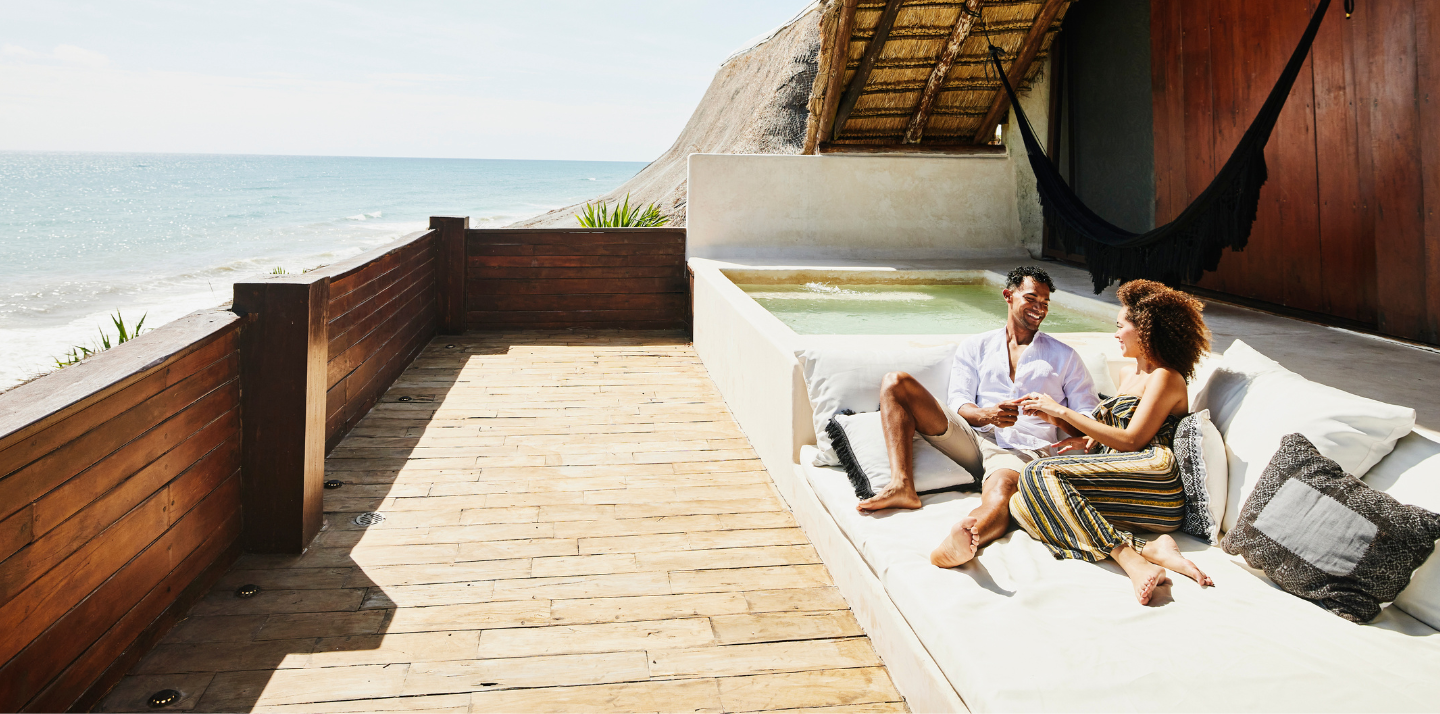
(852, 206)
(1036, 103)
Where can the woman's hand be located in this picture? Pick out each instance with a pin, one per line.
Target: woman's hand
(1083, 444)
(1036, 404)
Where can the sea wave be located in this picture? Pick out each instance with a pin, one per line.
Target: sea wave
(83, 235)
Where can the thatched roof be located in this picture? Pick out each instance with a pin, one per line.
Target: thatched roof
(783, 94)
(756, 104)
(876, 91)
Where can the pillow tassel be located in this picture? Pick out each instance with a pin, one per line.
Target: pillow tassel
(858, 480)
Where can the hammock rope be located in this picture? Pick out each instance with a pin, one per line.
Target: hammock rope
(1185, 248)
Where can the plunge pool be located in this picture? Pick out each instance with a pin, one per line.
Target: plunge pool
(833, 307)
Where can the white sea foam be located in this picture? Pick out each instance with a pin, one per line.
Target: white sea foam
(164, 235)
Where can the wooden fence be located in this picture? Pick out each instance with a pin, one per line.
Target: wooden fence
(130, 482)
(323, 347)
(120, 494)
(587, 277)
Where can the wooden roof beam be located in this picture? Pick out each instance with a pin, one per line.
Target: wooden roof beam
(867, 63)
(968, 14)
(839, 57)
(1028, 50)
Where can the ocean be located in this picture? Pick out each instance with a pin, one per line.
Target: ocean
(84, 235)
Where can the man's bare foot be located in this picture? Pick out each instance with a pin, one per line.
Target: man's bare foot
(959, 547)
(1164, 552)
(893, 496)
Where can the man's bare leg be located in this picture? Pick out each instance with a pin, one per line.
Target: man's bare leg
(984, 524)
(905, 408)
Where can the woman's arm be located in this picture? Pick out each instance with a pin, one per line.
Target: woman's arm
(1164, 390)
(1126, 372)
(1064, 426)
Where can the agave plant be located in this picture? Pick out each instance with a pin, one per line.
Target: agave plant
(598, 215)
(124, 333)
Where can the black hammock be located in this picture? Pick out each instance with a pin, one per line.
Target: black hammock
(1183, 249)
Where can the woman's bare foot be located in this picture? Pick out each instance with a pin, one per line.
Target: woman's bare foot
(1147, 577)
(1146, 581)
(959, 547)
(896, 495)
(1164, 552)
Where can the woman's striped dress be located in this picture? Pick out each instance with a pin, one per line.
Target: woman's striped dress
(1085, 506)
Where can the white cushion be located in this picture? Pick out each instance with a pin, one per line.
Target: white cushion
(870, 459)
(1205, 473)
(1097, 363)
(850, 379)
(1411, 474)
(1203, 371)
(1254, 401)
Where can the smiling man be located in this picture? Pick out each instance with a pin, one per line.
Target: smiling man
(979, 424)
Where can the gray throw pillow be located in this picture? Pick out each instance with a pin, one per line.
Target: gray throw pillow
(1325, 536)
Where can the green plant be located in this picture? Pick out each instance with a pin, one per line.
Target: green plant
(278, 271)
(124, 333)
(598, 215)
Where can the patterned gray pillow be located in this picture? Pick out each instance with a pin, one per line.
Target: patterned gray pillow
(1200, 457)
(1325, 536)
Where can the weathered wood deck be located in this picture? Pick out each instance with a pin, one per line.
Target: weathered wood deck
(573, 523)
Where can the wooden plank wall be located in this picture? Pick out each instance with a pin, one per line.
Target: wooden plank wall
(628, 278)
(119, 505)
(382, 312)
(1349, 222)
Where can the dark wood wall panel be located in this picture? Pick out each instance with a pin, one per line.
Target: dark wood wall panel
(115, 504)
(1348, 223)
(382, 312)
(599, 278)
(1427, 46)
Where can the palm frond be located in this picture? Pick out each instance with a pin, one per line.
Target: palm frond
(621, 215)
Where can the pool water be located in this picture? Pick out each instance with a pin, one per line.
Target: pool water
(871, 309)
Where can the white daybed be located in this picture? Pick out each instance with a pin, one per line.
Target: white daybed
(1017, 630)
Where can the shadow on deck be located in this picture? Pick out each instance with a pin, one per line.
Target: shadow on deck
(572, 522)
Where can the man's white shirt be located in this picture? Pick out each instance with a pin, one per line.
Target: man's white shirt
(980, 375)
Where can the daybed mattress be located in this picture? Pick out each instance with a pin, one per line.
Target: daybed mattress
(1017, 630)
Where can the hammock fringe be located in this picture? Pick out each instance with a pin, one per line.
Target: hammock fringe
(1184, 249)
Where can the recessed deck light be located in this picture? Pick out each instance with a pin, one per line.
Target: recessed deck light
(163, 698)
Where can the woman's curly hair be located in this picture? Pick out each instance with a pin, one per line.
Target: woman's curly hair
(1168, 322)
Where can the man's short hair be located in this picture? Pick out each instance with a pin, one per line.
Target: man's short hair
(1016, 278)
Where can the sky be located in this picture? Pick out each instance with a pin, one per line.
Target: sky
(543, 79)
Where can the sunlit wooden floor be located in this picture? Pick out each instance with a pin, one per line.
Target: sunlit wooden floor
(572, 523)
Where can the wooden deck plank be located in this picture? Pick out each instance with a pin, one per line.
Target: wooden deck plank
(572, 523)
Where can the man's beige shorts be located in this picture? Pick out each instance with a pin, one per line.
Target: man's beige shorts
(976, 451)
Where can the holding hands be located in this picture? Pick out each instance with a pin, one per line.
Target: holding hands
(1041, 405)
(1001, 415)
